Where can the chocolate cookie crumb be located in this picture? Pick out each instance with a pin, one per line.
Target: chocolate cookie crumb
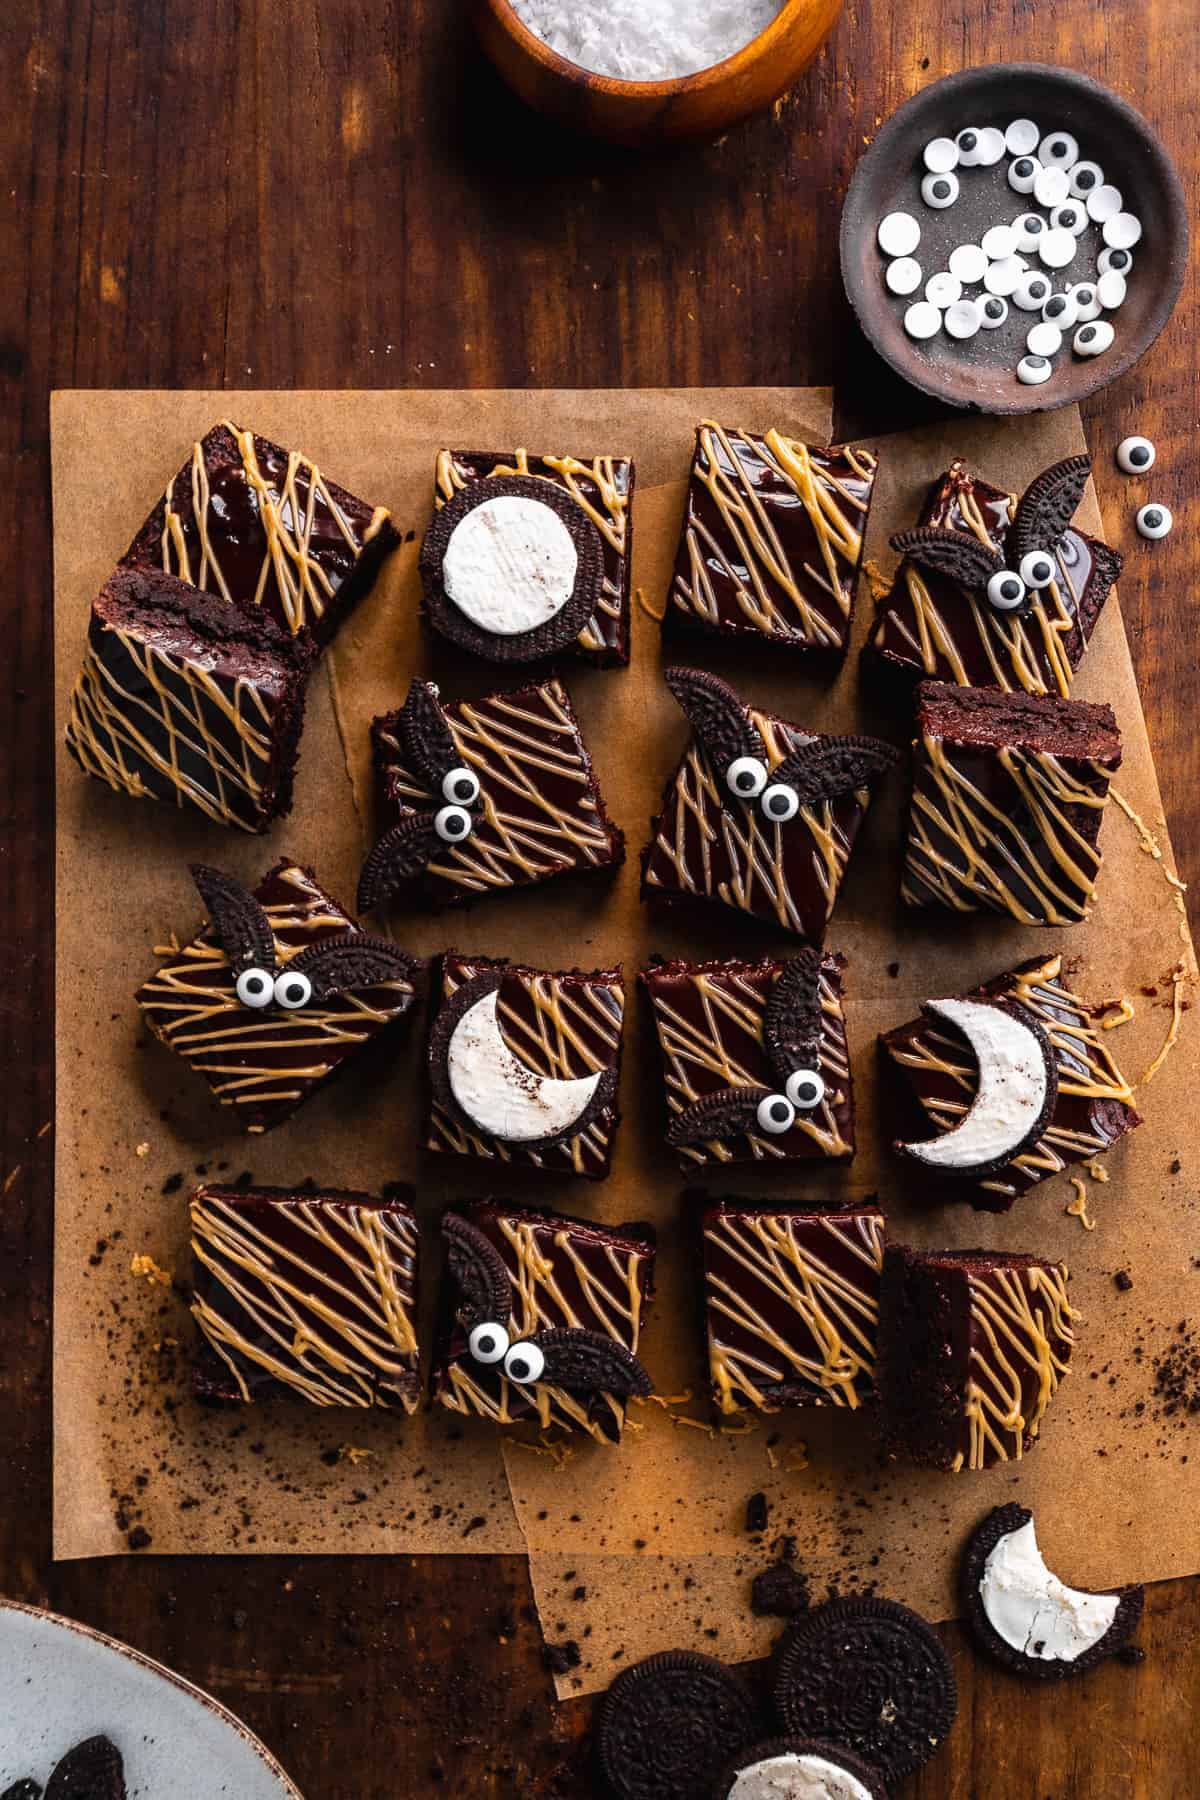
(1124, 1280)
(779, 1592)
(757, 1513)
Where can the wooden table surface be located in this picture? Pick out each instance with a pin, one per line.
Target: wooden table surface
(324, 193)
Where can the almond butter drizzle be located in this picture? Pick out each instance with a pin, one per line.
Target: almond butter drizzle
(1016, 1330)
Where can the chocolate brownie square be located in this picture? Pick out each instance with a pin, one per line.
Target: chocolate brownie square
(524, 1065)
(772, 539)
(973, 1345)
(189, 699)
(250, 521)
(542, 1318)
(1007, 797)
(312, 1294)
(792, 1304)
(736, 1038)
(277, 993)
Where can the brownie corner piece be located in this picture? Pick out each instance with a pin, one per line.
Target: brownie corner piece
(253, 522)
(524, 1066)
(771, 544)
(974, 1345)
(188, 699)
(791, 1303)
(308, 1293)
(542, 1318)
(1008, 794)
(754, 1059)
(533, 809)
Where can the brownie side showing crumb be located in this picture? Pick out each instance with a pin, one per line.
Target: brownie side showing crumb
(252, 522)
(772, 540)
(1008, 795)
(603, 486)
(188, 699)
(309, 1294)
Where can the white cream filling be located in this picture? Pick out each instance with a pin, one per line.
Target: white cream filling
(1034, 1611)
(498, 1092)
(1011, 1092)
(510, 565)
(797, 1778)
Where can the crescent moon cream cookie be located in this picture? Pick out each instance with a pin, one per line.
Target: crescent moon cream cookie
(772, 539)
(251, 522)
(798, 1768)
(754, 1059)
(974, 1071)
(312, 1294)
(477, 796)
(973, 1345)
(1008, 794)
(997, 589)
(276, 994)
(524, 1065)
(792, 1304)
(542, 1318)
(760, 815)
(529, 556)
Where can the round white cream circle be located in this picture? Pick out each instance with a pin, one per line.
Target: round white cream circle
(791, 1777)
(510, 565)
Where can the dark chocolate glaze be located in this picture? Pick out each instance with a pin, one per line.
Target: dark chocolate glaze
(1087, 570)
(238, 541)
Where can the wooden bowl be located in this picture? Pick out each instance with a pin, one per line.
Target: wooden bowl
(655, 112)
(981, 372)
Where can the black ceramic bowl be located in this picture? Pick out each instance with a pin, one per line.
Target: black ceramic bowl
(980, 372)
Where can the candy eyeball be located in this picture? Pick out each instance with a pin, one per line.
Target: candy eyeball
(1029, 228)
(968, 262)
(1154, 521)
(1037, 569)
(488, 1343)
(1023, 173)
(1111, 290)
(805, 1089)
(293, 990)
(779, 803)
(1070, 216)
(1004, 277)
(1060, 310)
(1057, 248)
(776, 1114)
(967, 147)
(1118, 262)
(1122, 231)
(1043, 339)
(1051, 187)
(1093, 339)
(991, 146)
(1104, 203)
(898, 234)
(940, 191)
(1032, 292)
(460, 785)
(942, 154)
(255, 987)
(1005, 590)
(1033, 370)
(1022, 137)
(922, 320)
(943, 289)
(452, 824)
(1086, 177)
(903, 275)
(1087, 302)
(1059, 149)
(1135, 455)
(961, 319)
(525, 1364)
(993, 311)
(998, 242)
(746, 777)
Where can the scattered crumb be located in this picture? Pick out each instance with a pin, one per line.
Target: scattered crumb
(146, 1265)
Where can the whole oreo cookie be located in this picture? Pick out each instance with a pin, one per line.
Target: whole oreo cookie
(666, 1723)
(543, 584)
(93, 1770)
(1025, 1617)
(792, 1768)
(871, 1675)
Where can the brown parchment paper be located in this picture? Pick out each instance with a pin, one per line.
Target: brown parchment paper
(133, 1453)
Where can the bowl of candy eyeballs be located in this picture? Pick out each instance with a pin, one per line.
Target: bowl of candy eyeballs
(1014, 238)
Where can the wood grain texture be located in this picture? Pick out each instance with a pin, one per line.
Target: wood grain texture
(340, 192)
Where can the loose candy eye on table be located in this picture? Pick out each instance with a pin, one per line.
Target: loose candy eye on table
(1155, 521)
(1135, 455)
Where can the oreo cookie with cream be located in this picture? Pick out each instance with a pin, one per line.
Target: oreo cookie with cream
(798, 1769)
(1027, 1618)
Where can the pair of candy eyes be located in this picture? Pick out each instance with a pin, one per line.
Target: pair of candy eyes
(803, 1092)
(1007, 588)
(747, 777)
(460, 789)
(523, 1361)
(290, 989)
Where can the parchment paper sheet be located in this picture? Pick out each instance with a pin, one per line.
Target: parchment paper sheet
(651, 1532)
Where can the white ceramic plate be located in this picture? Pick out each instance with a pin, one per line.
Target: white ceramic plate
(60, 1682)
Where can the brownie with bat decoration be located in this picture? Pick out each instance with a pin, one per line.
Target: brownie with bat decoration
(542, 1318)
(277, 993)
(760, 815)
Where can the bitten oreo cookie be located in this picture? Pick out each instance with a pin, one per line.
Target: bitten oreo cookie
(586, 1362)
(93, 1770)
(511, 569)
(964, 559)
(1025, 1617)
(728, 1113)
(666, 1723)
(794, 1768)
(871, 1675)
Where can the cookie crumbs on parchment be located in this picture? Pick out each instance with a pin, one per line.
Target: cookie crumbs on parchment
(141, 1264)
(142, 1149)
(353, 1454)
